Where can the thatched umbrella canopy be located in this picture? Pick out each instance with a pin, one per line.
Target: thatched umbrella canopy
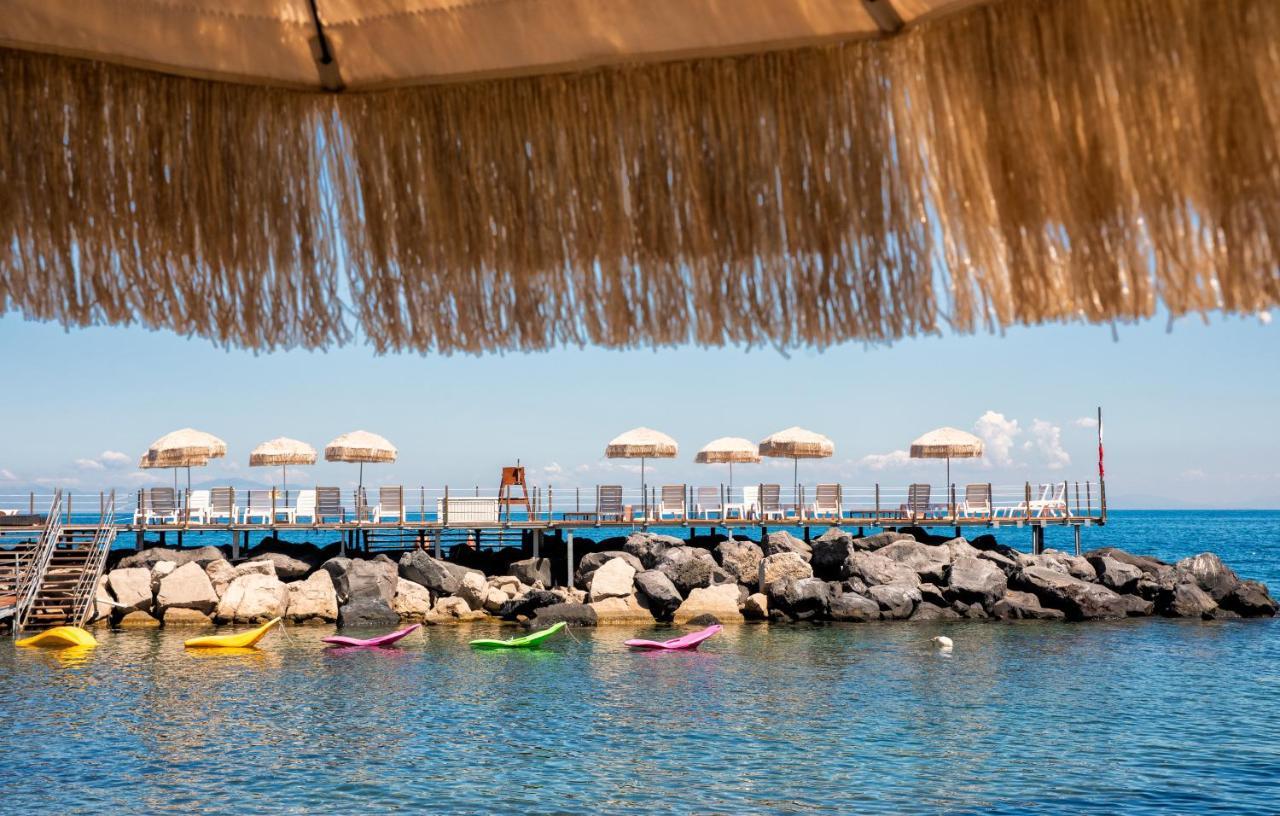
(282, 451)
(1069, 157)
(185, 447)
(642, 443)
(797, 443)
(360, 446)
(947, 443)
(728, 449)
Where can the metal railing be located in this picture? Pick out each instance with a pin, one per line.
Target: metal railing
(87, 587)
(28, 583)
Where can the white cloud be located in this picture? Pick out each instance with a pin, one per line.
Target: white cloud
(89, 464)
(1193, 474)
(1085, 422)
(114, 459)
(57, 481)
(553, 469)
(997, 434)
(1047, 439)
(1264, 318)
(7, 475)
(884, 461)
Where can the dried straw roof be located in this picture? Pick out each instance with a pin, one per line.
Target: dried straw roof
(360, 446)
(797, 443)
(185, 447)
(947, 443)
(282, 451)
(727, 449)
(632, 174)
(643, 443)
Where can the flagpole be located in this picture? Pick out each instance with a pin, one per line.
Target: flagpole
(1102, 473)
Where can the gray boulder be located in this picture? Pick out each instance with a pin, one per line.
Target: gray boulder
(970, 611)
(781, 566)
(975, 580)
(591, 562)
(1136, 606)
(441, 577)
(1116, 575)
(131, 587)
(187, 587)
(1208, 572)
(1079, 599)
(151, 556)
(649, 547)
(1251, 600)
(849, 606)
(883, 539)
(1006, 564)
(357, 579)
(803, 599)
(664, 599)
(530, 571)
(873, 569)
(741, 559)
(528, 604)
(829, 551)
(929, 593)
(781, 541)
(689, 568)
(897, 601)
(367, 611)
(1149, 565)
(288, 568)
(574, 614)
(926, 611)
(1017, 605)
(959, 546)
(930, 563)
(1190, 601)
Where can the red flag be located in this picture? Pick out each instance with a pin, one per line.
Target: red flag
(1101, 472)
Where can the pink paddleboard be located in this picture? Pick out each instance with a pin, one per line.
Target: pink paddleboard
(380, 640)
(689, 642)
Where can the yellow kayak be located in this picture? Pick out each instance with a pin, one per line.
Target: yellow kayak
(60, 637)
(243, 640)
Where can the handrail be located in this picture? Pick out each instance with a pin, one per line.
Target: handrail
(28, 583)
(87, 587)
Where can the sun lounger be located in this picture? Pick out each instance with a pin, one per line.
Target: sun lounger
(157, 505)
(329, 505)
(672, 502)
(305, 507)
(198, 507)
(390, 505)
(222, 504)
(770, 503)
(917, 504)
(977, 501)
(826, 501)
(708, 502)
(609, 502)
(258, 506)
(1052, 502)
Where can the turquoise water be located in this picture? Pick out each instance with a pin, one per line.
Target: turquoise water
(1145, 716)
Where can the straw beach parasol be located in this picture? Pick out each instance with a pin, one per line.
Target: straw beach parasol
(796, 443)
(185, 447)
(360, 446)
(642, 443)
(728, 449)
(282, 451)
(1069, 155)
(947, 443)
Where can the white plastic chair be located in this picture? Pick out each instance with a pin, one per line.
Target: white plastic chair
(708, 503)
(304, 507)
(198, 507)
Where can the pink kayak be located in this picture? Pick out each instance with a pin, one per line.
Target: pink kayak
(688, 642)
(380, 640)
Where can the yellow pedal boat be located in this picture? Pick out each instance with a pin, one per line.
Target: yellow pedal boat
(242, 640)
(60, 637)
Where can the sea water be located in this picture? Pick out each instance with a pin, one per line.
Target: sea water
(1139, 716)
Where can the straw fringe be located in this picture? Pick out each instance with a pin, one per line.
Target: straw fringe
(1016, 163)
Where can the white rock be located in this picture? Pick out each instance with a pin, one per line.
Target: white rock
(102, 601)
(253, 598)
(312, 599)
(614, 579)
(494, 599)
(942, 642)
(412, 600)
(131, 587)
(720, 600)
(158, 572)
(220, 573)
(473, 590)
(621, 610)
(782, 565)
(186, 587)
(256, 568)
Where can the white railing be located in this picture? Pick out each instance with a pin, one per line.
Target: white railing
(656, 505)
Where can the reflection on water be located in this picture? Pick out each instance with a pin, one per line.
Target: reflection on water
(1154, 716)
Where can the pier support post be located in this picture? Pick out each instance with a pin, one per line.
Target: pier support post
(1037, 539)
(235, 545)
(537, 543)
(568, 549)
(1076, 528)
(439, 535)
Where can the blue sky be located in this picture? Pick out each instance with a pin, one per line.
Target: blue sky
(1190, 413)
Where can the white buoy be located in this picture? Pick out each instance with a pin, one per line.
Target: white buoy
(943, 642)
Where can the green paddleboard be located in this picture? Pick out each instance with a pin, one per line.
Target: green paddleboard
(529, 641)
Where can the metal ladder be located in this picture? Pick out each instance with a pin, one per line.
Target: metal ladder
(68, 582)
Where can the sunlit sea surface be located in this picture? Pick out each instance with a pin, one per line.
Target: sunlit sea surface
(1142, 716)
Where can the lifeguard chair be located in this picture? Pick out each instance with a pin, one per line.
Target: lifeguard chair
(513, 477)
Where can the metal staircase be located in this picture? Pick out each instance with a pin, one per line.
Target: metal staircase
(67, 581)
(30, 560)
